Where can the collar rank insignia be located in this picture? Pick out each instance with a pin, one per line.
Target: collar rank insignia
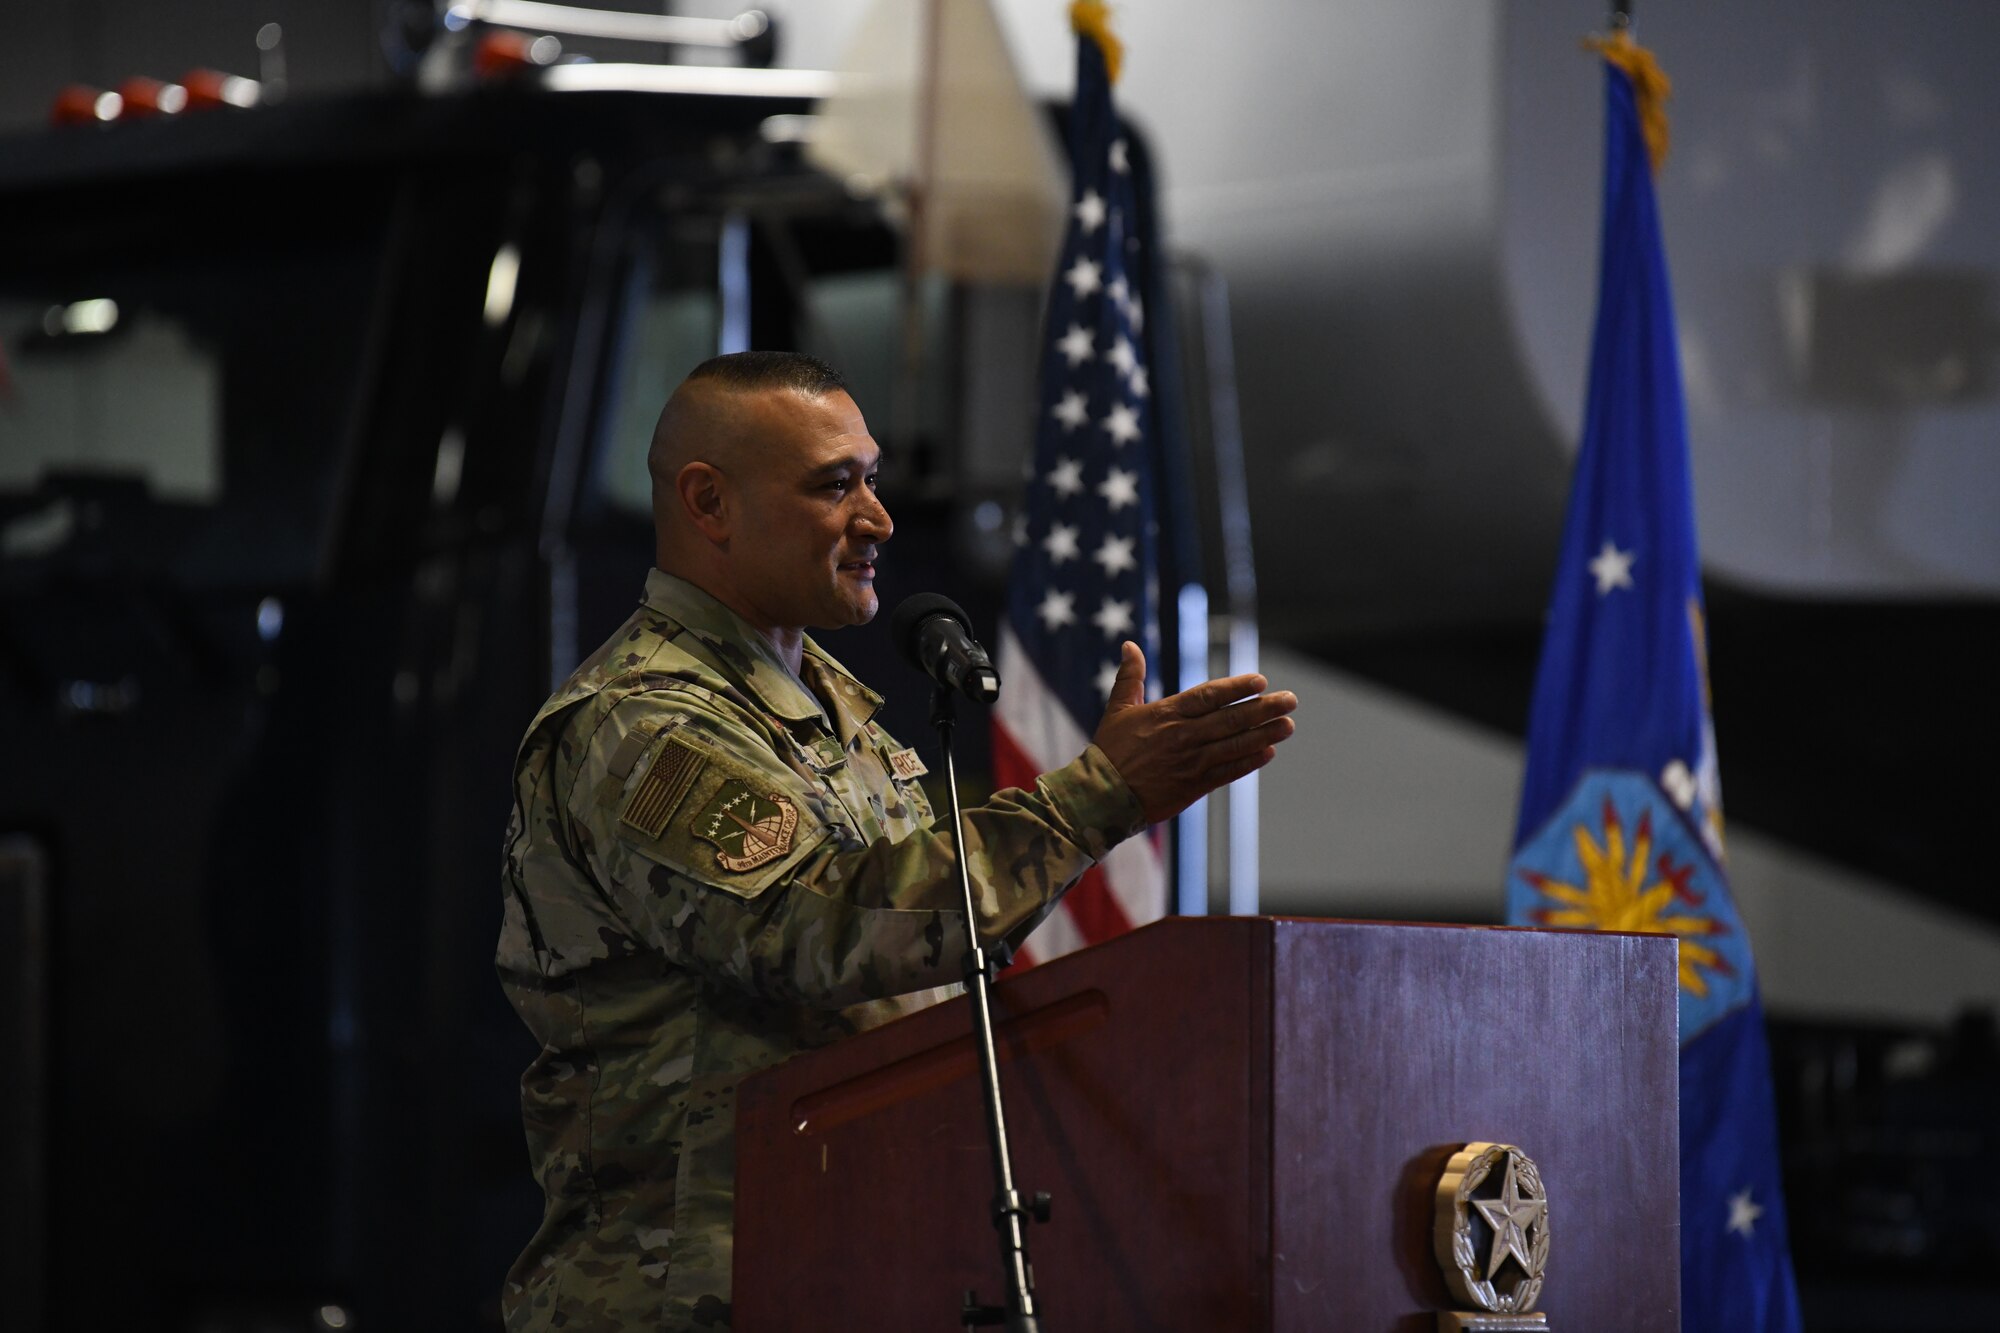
(748, 829)
(907, 764)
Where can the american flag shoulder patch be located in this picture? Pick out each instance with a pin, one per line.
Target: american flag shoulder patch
(667, 780)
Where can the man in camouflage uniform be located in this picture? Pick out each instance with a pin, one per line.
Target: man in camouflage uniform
(716, 858)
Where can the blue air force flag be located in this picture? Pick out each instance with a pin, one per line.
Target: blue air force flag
(1621, 807)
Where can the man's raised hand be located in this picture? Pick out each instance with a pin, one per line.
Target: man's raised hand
(1176, 751)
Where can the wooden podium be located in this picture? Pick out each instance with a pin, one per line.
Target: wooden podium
(1242, 1122)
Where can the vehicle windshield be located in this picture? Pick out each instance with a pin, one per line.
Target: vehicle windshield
(178, 409)
(689, 288)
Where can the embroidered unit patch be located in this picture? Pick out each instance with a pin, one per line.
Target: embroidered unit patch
(907, 764)
(664, 787)
(748, 829)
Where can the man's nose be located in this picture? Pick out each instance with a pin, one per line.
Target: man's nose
(872, 519)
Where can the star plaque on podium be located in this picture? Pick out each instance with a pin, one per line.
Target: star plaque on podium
(1492, 1239)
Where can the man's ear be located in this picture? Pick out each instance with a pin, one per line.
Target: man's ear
(706, 500)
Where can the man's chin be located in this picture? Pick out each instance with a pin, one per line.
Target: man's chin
(851, 610)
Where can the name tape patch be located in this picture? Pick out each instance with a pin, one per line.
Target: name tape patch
(907, 764)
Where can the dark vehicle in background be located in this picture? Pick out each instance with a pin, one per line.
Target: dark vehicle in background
(322, 433)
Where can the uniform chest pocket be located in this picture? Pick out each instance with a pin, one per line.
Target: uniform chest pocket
(818, 759)
(832, 773)
(822, 754)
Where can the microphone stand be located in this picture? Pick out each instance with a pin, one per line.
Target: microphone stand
(1011, 1214)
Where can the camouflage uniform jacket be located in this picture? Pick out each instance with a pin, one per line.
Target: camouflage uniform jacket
(713, 864)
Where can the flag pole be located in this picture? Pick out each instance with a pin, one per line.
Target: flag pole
(905, 406)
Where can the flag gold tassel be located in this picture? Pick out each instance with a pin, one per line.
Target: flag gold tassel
(1650, 86)
(1092, 19)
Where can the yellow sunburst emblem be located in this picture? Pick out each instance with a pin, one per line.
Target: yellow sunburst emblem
(1627, 889)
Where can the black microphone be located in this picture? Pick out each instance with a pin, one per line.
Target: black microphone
(935, 636)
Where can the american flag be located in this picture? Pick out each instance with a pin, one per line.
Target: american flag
(1084, 576)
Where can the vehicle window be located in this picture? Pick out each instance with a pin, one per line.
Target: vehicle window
(180, 416)
(671, 314)
(668, 332)
(93, 387)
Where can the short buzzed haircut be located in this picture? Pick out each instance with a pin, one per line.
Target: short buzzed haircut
(756, 371)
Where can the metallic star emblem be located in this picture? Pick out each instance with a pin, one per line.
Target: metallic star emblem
(1089, 211)
(1612, 568)
(1066, 478)
(1073, 410)
(1743, 1214)
(1510, 1216)
(1078, 345)
(1084, 276)
(1518, 1220)
(1119, 488)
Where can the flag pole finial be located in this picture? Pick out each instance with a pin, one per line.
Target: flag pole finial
(1650, 85)
(1092, 19)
